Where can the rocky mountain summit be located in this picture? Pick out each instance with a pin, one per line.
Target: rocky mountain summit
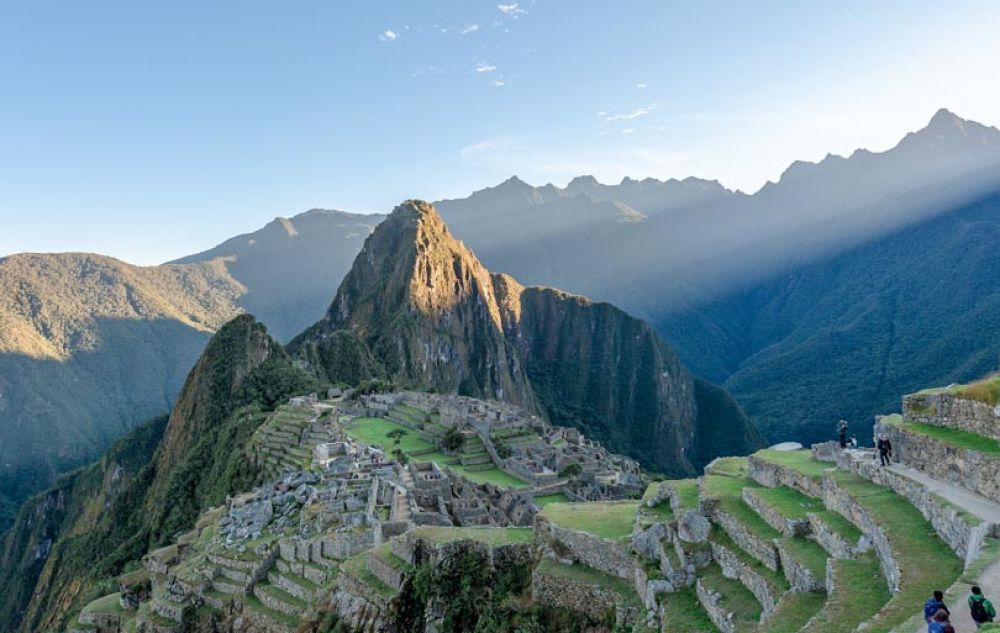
(425, 311)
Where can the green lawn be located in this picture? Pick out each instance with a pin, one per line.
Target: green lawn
(927, 562)
(375, 431)
(683, 612)
(608, 519)
(687, 493)
(489, 536)
(793, 612)
(860, 593)
(107, 604)
(543, 500)
(588, 575)
(789, 503)
(839, 525)
(735, 598)
(809, 554)
(956, 438)
(800, 461)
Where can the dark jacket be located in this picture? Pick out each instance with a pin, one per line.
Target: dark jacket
(885, 446)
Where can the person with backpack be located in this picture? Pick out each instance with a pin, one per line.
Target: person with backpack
(981, 609)
(934, 604)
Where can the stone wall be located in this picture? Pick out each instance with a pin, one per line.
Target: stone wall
(733, 567)
(838, 500)
(590, 600)
(773, 475)
(965, 537)
(761, 549)
(785, 525)
(346, 544)
(834, 544)
(798, 576)
(958, 413)
(356, 612)
(385, 572)
(970, 469)
(608, 556)
(720, 616)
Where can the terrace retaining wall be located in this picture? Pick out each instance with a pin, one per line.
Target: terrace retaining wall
(773, 475)
(839, 500)
(942, 409)
(970, 469)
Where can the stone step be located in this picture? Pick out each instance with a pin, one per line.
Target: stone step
(227, 586)
(169, 610)
(794, 611)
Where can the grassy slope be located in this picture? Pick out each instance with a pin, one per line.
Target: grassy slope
(609, 519)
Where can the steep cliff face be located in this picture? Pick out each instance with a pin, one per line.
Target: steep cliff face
(422, 307)
(597, 368)
(427, 310)
(150, 486)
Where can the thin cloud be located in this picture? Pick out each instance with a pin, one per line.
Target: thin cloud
(641, 85)
(628, 130)
(499, 82)
(510, 9)
(628, 116)
(485, 68)
(388, 35)
(472, 28)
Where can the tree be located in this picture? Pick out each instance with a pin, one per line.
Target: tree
(571, 471)
(453, 439)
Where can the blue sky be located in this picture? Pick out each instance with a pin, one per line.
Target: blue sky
(149, 130)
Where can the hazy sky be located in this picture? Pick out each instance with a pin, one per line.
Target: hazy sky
(149, 130)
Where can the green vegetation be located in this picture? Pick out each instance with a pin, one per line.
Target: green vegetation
(725, 482)
(583, 574)
(807, 553)
(487, 535)
(789, 503)
(860, 593)
(800, 461)
(380, 431)
(107, 604)
(985, 390)
(608, 519)
(927, 562)
(793, 611)
(839, 525)
(735, 597)
(543, 500)
(687, 493)
(956, 438)
(683, 612)
(774, 579)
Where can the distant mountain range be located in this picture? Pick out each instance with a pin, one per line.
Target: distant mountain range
(826, 294)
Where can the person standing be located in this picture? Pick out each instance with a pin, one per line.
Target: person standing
(981, 609)
(884, 449)
(842, 433)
